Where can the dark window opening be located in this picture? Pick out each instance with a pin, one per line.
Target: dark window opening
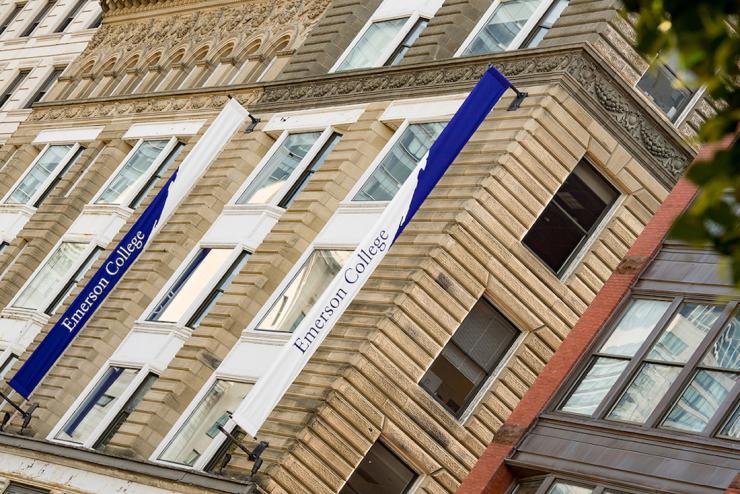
(10, 89)
(11, 17)
(70, 17)
(380, 471)
(470, 357)
(571, 217)
(48, 83)
(37, 20)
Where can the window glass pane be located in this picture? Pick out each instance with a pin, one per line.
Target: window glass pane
(16, 488)
(472, 354)
(684, 333)
(666, 90)
(552, 15)
(397, 165)
(189, 284)
(196, 434)
(125, 411)
(278, 168)
(315, 164)
(572, 214)
(298, 297)
(52, 276)
(634, 326)
(97, 404)
(644, 393)
(216, 293)
(369, 50)
(725, 352)
(700, 400)
(42, 169)
(407, 42)
(502, 27)
(381, 471)
(732, 428)
(562, 488)
(122, 186)
(594, 386)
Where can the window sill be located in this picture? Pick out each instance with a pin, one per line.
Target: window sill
(24, 314)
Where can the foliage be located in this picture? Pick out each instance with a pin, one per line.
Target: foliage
(703, 35)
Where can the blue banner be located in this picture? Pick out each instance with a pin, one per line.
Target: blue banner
(90, 298)
(455, 135)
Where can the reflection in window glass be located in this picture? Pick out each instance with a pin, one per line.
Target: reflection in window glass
(96, 405)
(36, 176)
(381, 471)
(312, 167)
(725, 352)
(397, 165)
(563, 488)
(52, 277)
(546, 23)
(304, 289)
(643, 394)
(469, 358)
(407, 42)
(273, 175)
(189, 285)
(594, 386)
(369, 49)
(700, 400)
(662, 85)
(127, 409)
(684, 333)
(635, 325)
(123, 184)
(201, 427)
(731, 428)
(505, 23)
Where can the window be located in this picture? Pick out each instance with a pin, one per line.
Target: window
(200, 429)
(470, 357)
(382, 43)
(552, 485)
(70, 17)
(76, 278)
(16, 488)
(11, 17)
(563, 488)
(43, 173)
(293, 156)
(10, 89)
(508, 24)
(96, 22)
(7, 365)
(42, 290)
(297, 298)
(380, 471)
(128, 408)
(158, 174)
(187, 289)
(571, 217)
(546, 23)
(665, 88)
(314, 165)
(202, 311)
(396, 166)
(48, 83)
(672, 364)
(131, 177)
(37, 20)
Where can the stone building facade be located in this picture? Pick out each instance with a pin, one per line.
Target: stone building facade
(450, 332)
(38, 40)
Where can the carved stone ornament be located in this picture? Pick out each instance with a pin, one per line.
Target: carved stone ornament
(140, 106)
(625, 112)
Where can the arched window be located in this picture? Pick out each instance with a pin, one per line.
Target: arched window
(124, 76)
(275, 59)
(248, 62)
(224, 67)
(83, 81)
(104, 78)
(196, 70)
(148, 72)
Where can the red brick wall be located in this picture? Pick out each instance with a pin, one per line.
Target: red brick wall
(490, 474)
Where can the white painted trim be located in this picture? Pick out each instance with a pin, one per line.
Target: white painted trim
(515, 43)
(307, 120)
(68, 135)
(420, 110)
(164, 129)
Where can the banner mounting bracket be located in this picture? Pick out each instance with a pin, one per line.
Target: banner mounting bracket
(253, 455)
(26, 414)
(517, 102)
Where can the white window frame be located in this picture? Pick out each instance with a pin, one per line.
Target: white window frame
(413, 17)
(207, 288)
(49, 180)
(217, 441)
(519, 39)
(92, 243)
(326, 133)
(142, 373)
(172, 142)
(696, 96)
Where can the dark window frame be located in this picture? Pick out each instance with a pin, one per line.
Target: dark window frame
(20, 488)
(70, 16)
(38, 19)
(652, 425)
(597, 485)
(58, 177)
(43, 90)
(17, 9)
(588, 235)
(11, 88)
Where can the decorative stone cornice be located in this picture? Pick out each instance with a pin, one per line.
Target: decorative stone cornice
(580, 70)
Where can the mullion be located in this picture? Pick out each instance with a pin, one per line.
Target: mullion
(635, 364)
(689, 368)
(723, 412)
